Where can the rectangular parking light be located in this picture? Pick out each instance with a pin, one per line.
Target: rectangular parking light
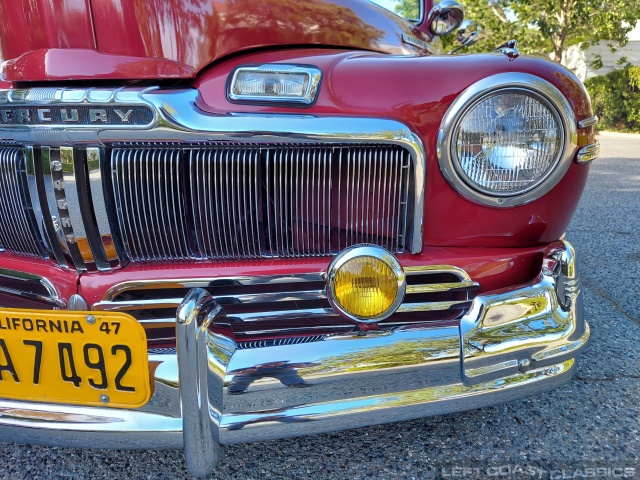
(279, 83)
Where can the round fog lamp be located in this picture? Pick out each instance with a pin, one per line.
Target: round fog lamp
(365, 283)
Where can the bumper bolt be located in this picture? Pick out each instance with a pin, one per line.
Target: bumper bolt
(91, 319)
(524, 365)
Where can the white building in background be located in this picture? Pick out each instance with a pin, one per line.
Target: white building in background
(581, 61)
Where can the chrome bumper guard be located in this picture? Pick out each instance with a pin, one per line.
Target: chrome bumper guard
(511, 344)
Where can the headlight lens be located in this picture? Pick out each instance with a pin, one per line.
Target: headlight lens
(366, 283)
(508, 143)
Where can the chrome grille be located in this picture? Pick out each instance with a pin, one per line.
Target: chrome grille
(250, 201)
(150, 200)
(96, 192)
(225, 194)
(18, 230)
(296, 305)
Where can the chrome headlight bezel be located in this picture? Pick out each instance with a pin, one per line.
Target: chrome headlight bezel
(527, 84)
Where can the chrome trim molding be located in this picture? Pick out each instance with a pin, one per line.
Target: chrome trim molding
(31, 287)
(63, 197)
(74, 109)
(516, 82)
(588, 153)
(365, 251)
(509, 49)
(272, 293)
(120, 288)
(513, 343)
(588, 122)
(313, 75)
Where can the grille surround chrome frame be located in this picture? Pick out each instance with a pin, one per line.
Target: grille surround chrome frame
(180, 121)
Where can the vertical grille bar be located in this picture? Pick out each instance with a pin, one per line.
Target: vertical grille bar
(224, 199)
(150, 202)
(19, 232)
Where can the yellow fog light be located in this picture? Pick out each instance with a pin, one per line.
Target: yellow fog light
(365, 283)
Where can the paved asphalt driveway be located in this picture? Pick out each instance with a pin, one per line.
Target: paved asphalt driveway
(592, 422)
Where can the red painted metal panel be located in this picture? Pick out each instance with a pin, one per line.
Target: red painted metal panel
(418, 91)
(183, 37)
(492, 268)
(57, 64)
(27, 25)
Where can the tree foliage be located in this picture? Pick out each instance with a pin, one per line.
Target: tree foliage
(616, 99)
(549, 26)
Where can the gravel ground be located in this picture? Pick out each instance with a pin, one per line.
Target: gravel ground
(592, 422)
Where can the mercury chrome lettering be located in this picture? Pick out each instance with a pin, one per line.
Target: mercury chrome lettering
(76, 115)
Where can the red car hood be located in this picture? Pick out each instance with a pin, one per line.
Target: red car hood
(146, 39)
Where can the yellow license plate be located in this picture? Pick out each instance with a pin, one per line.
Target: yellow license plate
(80, 358)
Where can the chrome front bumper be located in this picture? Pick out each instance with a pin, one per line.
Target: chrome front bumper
(511, 344)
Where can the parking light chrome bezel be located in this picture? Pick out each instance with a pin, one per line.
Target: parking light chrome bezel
(313, 74)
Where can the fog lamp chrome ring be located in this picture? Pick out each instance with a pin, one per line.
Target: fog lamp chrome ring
(356, 292)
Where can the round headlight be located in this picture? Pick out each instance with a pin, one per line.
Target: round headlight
(507, 144)
(365, 283)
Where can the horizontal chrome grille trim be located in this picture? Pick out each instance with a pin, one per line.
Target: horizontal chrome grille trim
(222, 300)
(441, 287)
(282, 315)
(189, 283)
(274, 297)
(30, 287)
(284, 300)
(19, 232)
(241, 281)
